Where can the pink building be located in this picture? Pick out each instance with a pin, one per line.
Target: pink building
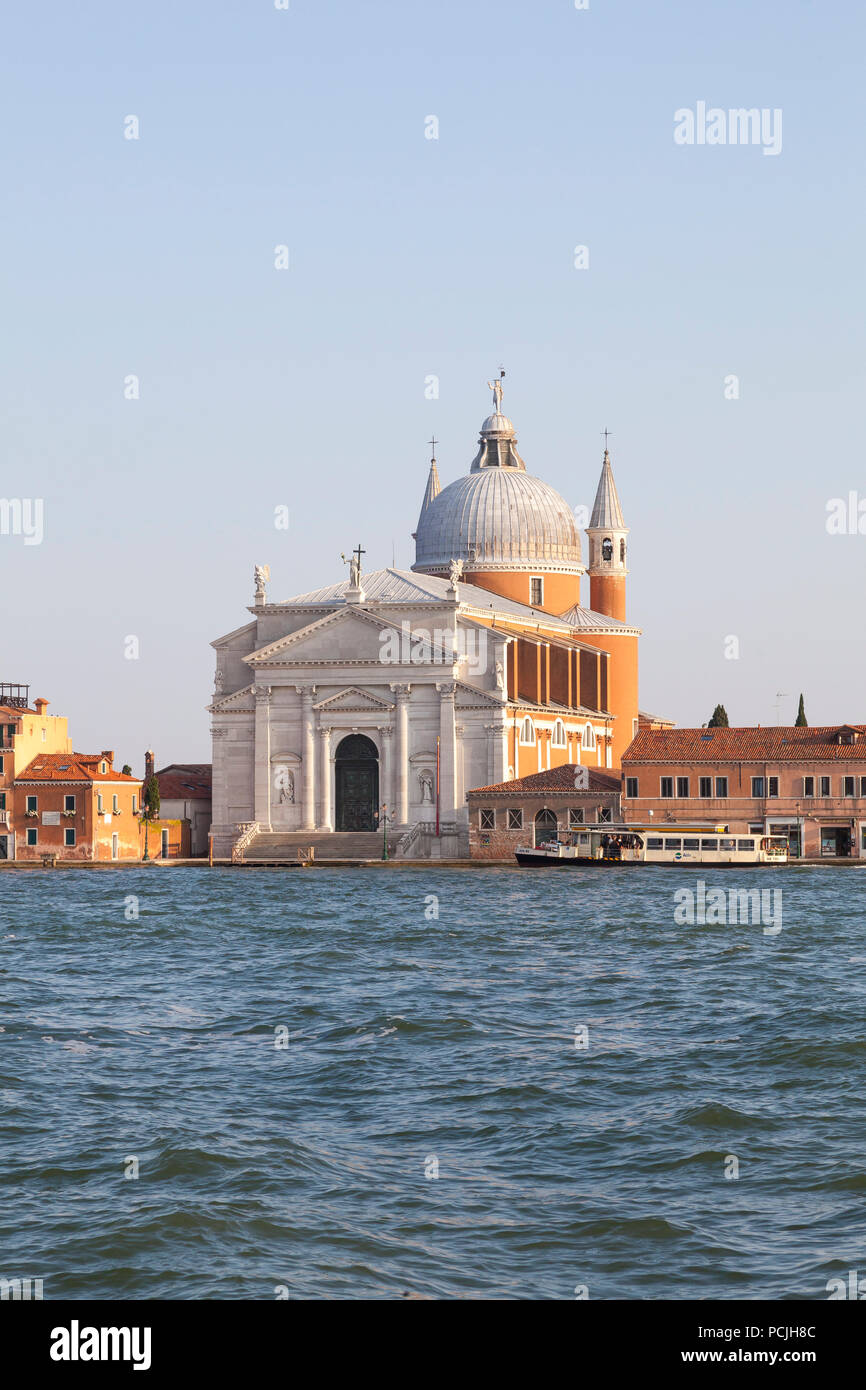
(809, 784)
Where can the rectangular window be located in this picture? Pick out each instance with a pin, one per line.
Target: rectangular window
(808, 786)
(863, 786)
(773, 788)
(682, 786)
(2, 801)
(32, 836)
(706, 786)
(114, 804)
(44, 735)
(757, 786)
(99, 803)
(69, 836)
(536, 592)
(848, 786)
(487, 819)
(32, 803)
(515, 819)
(673, 844)
(69, 803)
(709, 843)
(689, 843)
(745, 844)
(604, 815)
(825, 786)
(654, 842)
(727, 843)
(134, 804)
(667, 786)
(631, 790)
(2, 767)
(575, 816)
(756, 830)
(721, 786)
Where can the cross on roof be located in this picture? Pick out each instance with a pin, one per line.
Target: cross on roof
(433, 442)
(606, 434)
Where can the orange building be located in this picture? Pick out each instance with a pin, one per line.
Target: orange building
(806, 783)
(76, 806)
(572, 683)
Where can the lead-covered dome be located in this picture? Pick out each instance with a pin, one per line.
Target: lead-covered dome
(499, 516)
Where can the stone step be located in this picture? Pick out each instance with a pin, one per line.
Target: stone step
(276, 844)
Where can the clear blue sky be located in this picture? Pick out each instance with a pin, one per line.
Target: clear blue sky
(410, 257)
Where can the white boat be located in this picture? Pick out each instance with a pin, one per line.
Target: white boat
(621, 845)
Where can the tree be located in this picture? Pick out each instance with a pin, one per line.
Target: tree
(801, 722)
(719, 719)
(150, 798)
(126, 770)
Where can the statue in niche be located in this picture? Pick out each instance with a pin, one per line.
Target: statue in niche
(426, 780)
(284, 785)
(500, 676)
(218, 683)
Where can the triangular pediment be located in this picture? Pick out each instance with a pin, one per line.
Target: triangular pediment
(348, 635)
(238, 700)
(354, 698)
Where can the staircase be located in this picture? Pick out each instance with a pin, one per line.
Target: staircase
(279, 846)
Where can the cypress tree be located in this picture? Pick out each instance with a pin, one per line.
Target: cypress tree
(719, 719)
(801, 722)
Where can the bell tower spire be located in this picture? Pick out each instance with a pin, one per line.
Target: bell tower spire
(607, 546)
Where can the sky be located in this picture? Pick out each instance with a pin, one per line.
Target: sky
(410, 257)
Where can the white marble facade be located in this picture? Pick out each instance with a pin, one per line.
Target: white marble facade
(398, 658)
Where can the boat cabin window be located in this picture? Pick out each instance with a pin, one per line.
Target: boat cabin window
(727, 843)
(745, 844)
(710, 843)
(654, 842)
(691, 844)
(673, 844)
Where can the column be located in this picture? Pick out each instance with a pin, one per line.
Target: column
(262, 757)
(308, 742)
(447, 751)
(459, 767)
(386, 791)
(401, 808)
(325, 821)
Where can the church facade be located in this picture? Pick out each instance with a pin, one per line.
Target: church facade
(383, 699)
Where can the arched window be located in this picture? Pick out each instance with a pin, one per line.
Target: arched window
(559, 739)
(622, 551)
(527, 731)
(588, 737)
(607, 548)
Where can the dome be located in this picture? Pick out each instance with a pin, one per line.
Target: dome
(498, 517)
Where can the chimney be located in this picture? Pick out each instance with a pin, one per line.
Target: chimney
(148, 765)
(40, 706)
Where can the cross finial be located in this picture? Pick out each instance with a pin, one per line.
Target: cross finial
(606, 433)
(433, 442)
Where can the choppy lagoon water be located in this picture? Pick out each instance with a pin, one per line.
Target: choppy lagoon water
(417, 1042)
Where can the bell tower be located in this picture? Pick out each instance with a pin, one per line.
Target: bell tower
(608, 549)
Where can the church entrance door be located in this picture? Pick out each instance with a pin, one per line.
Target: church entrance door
(357, 783)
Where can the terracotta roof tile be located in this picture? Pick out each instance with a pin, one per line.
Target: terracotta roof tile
(557, 779)
(185, 782)
(774, 744)
(70, 767)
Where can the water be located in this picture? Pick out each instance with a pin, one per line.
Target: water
(415, 1041)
